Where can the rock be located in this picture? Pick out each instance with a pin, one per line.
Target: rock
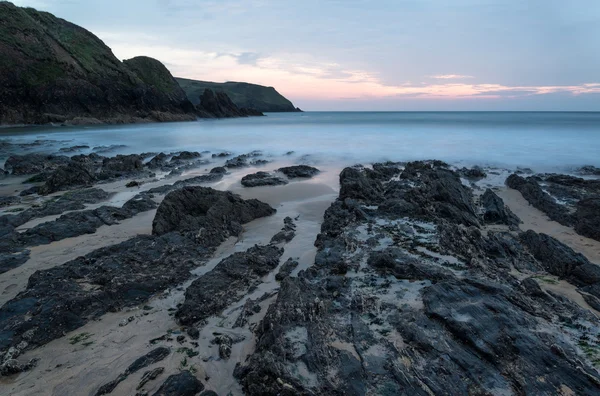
(156, 355)
(214, 214)
(158, 161)
(233, 276)
(534, 194)
(587, 217)
(354, 184)
(72, 149)
(474, 173)
(122, 164)
(149, 376)
(74, 174)
(218, 170)
(193, 332)
(297, 171)
(185, 156)
(286, 269)
(495, 212)
(262, 179)
(436, 282)
(34, 163)
(589, 170)
(224, 342)
(237, 162)
(287, 233)
(182, 384)
(133, 183)
(556, 257)
(222, 154)
(8, 201)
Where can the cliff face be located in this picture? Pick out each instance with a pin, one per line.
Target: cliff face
(219, 105)
(54, 71)
(244, 95)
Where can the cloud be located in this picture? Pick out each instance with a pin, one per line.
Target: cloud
(450, 76)
(302, 77)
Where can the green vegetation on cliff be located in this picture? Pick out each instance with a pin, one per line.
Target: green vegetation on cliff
(251, 96)
(54, 71)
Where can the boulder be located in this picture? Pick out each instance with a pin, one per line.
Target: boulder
(262, 179)
(297, 171)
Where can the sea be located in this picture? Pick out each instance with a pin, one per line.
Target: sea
(543, 141)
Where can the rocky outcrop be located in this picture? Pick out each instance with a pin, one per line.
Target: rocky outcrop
(182, 384)
(229, 281)
(188, 226)
(494, 210)
(244, 95)
(155, 355)
(262, 179)
(587, 217)
(219, 105)
(422, 301)
(299, 171)
(216, 214)
(533, 193)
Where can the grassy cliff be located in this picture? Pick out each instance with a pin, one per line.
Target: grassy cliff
(251, 96)
(54, 71)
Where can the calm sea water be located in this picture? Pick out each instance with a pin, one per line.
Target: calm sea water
(544, 141)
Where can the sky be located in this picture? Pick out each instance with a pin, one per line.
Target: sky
(387, 55)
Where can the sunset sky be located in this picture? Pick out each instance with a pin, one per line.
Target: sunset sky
(367, 55)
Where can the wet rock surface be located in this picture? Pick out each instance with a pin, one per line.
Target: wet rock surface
(299, 171)
(182, 384)
(216, 214)
(571, 201)
(65, 297)
(424, 301)
(262, 179)
(229, 281)
(156, 355)
(494, 210)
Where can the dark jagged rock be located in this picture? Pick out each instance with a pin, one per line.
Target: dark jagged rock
(587, 217)
(216, 215)
(182, 384)
(435, 310)
(474, 173)
(219, 105)
(355, 184)
(218, 169)
(122, 163)
(68, 176)
(73, 200)
(34, 163)
(495, 212)
(262, 179)
(185, 156)
(589, 170)
(158, 161)
(286, 269)
(73, 224)
(149, 376)
(227, 282)
(9, 200)
(556, 257)
(287, 233)
(73, 149)
(534, 194)
(299, 171)
(156, 355)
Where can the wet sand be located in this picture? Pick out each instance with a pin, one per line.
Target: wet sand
(534, 219)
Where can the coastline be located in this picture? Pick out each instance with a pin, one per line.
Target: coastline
(113, 340)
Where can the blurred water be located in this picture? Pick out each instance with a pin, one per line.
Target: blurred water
(545, 141)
